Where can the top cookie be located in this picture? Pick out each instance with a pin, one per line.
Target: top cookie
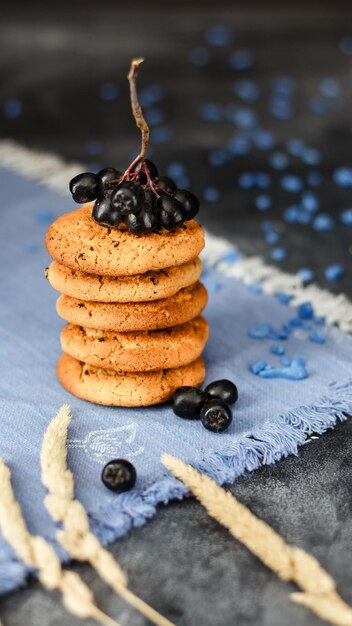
(75, 240)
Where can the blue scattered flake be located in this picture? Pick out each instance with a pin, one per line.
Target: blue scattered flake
(281, 109)
(45, 216)
(346, 45)
(108, 92)
(319, 321)
(258, 366)
(93, 147)
(216, 158)
(200, 57)
(306, 275)
(31, 248)
(272, 237)
(277, 349)
(310, 156)
(212, 112)
(154, 116)
(278, 160)
(246, 90)
(323, 222)
(239, 145)
(342, 176)
(161, 134)
(219, 36)
(284, 298)
(263, 139)
(295, 146)
(296, 215)
(291, 183)
(175, 169)
(211, 194)
(305, 311)
(285, 361)
(318, 106)
(284, 86)
(334, 272)
(255, 288)
(278, 254)
(151, 95)
(230, 257)
(317, 336)
(330, 87)
(244, 118)
(241, 60)
(263, 180)
(247, 180)
(266, 331)
(314, 179)
(12, 108)
(346, 217)
(310, 201)
(263, 202)
(295, 371)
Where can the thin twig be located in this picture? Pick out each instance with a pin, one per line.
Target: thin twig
(288, 562)
(136, 107)
(75, 535)
(39, 554)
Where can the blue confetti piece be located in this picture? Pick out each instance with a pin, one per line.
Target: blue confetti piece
(244, 118)
(45, 216)
(330, 87)
(12, 108)
(291, 183)
(263, 202)
(247, 180)
(294, 322)
(285, 361)
(278, 254)
(334, 272)
(303, 217)
(263, 180)
(342, 176)
(323, 222)
(278, 160)
(319, 321)
(161, 134)
(258, 366)
(255, 288)
(310, 156)
(346, 217)
(277, 349)
(272, 238)
(310, 201)
(239, 145)
(291, 214)
(219, 36)
(31, 248)
(295, 371)
(318, 106)
(284, 298)
(200, 57)
(317, 336)
(284, 86)
(306, 275)
(305, 311)
(93, 147)
(108, 92)
(211, 194)
(216, 158)
(266, 331)
(346, 45)
(212, 112)
(263, 139)
(154, 116)
(295, 146)
(175, 169)
(281, 109)
(246, 90)
(314, 179)
(241, 60)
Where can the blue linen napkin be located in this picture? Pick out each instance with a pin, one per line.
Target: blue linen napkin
(254, 338)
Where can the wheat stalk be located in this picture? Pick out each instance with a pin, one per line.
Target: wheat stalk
(36, 552)
(288, 562)
(75, 535)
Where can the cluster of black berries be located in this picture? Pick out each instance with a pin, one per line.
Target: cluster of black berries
(211, 406)
(139, 198)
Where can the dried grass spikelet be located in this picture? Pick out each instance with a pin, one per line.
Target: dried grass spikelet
(36, 552)
(288, 562)
(75, 535)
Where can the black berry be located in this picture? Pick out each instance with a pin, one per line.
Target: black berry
(188, 401)
(170, 212)
(85, 187)
(119, 475)
(150, 198)
(189, 203)
(128, 198)
(151, 167)
(104, 213)
(108, 174)
(166, 184)
(142, 222)
(215, 415)
(225, 390)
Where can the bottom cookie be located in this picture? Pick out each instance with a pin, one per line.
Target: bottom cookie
(103, 386)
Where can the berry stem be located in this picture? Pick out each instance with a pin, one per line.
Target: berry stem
(136, 108)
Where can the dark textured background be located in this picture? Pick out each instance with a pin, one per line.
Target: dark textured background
(53, 64)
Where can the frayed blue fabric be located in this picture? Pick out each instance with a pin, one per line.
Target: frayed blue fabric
(272, 417)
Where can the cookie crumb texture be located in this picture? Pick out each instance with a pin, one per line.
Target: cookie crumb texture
(136, 351)
(76, 241)
(107, 387)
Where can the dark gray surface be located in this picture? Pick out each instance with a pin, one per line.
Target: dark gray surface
(182, 562)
